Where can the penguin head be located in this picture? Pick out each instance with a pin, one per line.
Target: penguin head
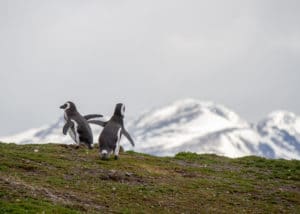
(105, 152)
(104, 155)
(70, 106)
(120, 110)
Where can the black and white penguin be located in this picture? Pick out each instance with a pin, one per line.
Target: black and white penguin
(109, 139)
(77, 126)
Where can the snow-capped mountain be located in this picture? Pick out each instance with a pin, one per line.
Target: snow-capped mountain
(201, 127)
(205, 127)
(46, 134)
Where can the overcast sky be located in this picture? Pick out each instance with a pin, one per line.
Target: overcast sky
(243, 54)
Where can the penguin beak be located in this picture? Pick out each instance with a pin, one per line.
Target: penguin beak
(63, 106)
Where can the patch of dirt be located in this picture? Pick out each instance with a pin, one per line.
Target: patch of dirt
(73, 146)
(27, 167)
(112, 175)
(291, 188)
(187, 174)
(191, 164)
(154, 169)
(122, 177)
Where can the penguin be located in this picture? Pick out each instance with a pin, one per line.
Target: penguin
(77, 126)
(109, 139)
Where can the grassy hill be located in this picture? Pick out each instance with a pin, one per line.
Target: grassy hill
(62, 179)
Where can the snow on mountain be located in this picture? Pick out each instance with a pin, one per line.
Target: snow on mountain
(179, 124)
(282, 130)
(191, 125)
(46, 134)
(205, 127)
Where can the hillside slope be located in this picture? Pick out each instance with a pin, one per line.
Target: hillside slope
(53, 178)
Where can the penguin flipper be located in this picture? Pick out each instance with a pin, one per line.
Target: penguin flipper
(98, 122)
(127, 135)
(69, 124)
(91, 116)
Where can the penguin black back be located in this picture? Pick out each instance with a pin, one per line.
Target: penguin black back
(77, 125)
(109, 139)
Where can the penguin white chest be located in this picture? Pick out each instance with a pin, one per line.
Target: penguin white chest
(119, 135)
(73, 132)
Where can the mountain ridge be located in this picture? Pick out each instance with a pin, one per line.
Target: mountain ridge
(191, 125)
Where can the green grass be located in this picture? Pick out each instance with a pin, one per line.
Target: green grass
(62, 179)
